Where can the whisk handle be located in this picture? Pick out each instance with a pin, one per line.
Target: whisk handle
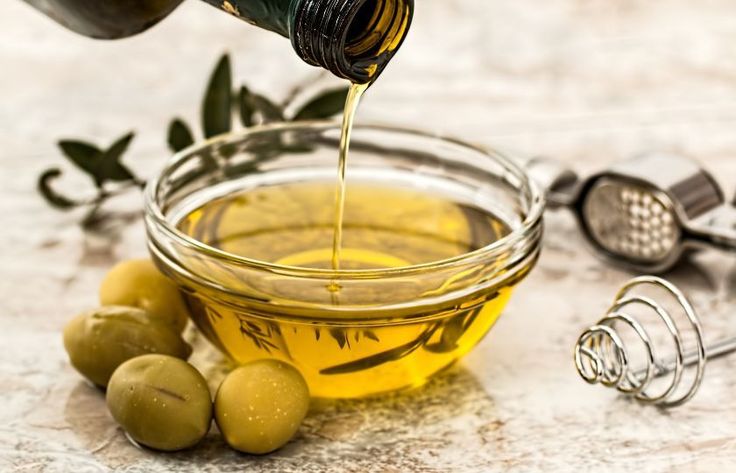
(715, 350)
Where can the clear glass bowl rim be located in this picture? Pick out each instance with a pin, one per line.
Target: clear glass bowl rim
(530, 226)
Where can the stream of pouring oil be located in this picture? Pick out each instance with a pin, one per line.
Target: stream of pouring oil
(351, 105)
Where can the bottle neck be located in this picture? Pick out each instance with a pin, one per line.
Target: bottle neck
(271, 15)
(354, 39)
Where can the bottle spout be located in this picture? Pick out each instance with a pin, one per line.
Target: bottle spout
(353, 39)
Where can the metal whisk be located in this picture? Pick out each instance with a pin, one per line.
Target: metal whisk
(602, 356)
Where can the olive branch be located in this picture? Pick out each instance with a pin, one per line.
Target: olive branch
(223, 105)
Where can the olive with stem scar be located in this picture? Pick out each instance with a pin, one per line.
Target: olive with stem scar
(162, 402)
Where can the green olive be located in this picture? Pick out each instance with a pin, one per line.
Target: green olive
(138, 283)
(100, 340)
(260, 406)
(162, 402)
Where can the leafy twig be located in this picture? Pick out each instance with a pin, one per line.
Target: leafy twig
(223, 100)
(323, 106)
(111, 177)
(387, 356)
(103, 167)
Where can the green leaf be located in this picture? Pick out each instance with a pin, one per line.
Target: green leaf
(101, 165)
(111, 169)
(269, 111)
(393, 354)
(217, 105)
(52, 197)
(228, 150)
(85, 156)
(180, 136)
(117, 172)
(116, 150)
(325, 105)
(452, 330)
(252, 104)
(340, 337)
(246, 107)
(371, 335)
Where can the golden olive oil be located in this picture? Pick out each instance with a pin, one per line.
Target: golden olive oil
(383, 226)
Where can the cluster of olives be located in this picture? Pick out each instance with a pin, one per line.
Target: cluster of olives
(132, 346)
(164, 403)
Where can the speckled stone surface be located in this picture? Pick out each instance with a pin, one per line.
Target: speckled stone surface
(588, 82)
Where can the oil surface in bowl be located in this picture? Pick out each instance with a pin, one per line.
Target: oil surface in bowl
(384, 227)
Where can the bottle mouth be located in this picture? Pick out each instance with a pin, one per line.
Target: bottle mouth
(353, 39)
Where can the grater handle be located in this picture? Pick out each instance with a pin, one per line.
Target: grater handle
(559, 182)
(716, 227)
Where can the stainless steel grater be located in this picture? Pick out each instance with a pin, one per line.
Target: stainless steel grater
(645, 212)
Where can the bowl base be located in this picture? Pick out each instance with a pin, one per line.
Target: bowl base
(353, 361)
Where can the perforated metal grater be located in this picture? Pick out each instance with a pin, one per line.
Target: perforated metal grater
(643, 213)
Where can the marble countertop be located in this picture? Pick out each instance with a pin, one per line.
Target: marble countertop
(586, 82)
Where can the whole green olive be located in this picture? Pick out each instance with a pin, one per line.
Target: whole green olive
(138, 283)
(162, 402)
(100, 340)
(260, 406)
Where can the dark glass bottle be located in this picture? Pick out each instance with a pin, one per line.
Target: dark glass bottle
(354, 39)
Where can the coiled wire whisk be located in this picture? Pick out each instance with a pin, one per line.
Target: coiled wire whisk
(601, 356)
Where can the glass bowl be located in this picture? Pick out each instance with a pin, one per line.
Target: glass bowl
(393, 327)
